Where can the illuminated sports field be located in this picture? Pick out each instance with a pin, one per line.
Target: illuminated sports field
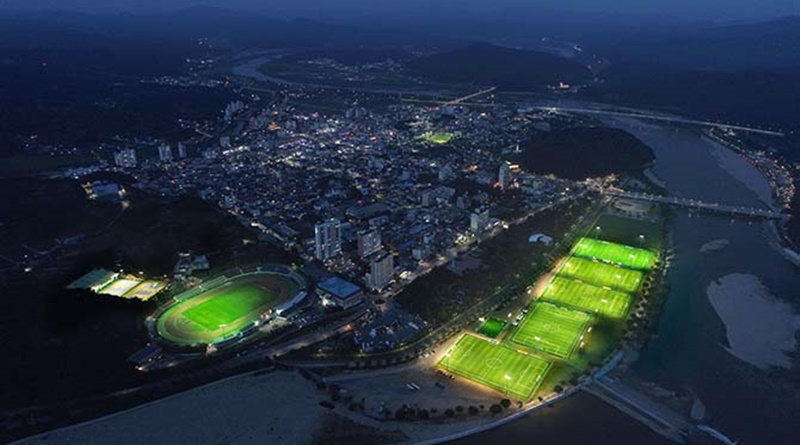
(601, 274)
(621, 254)
(224, 309)
(552, 329)
(438, 138)
(496, 366)
(584, 296)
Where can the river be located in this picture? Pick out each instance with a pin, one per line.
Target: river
(749, 403)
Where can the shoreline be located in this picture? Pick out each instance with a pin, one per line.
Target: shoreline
(742, 171)
(760, 328)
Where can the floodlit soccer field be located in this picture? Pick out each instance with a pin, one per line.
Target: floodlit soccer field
(496, 366)
(584, 296)
(438, 137)
(552, 329)
(601, 274)
(492, 327)
(615, 253)
(229, 306)
(224, 309)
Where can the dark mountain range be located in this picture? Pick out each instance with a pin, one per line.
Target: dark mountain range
(506, 68)
(761, 46)
(234, 28)
(759, 98)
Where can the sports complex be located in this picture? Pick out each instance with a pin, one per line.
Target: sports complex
(597, 281)
(627, 256)
(497, 366)
(552, 329)
(602, 274)
(228, 307)
(588, 297)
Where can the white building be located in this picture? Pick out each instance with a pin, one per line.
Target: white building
(381, 272)
(165, 153)
(181, 150)
(369, 242)
(504, 175)
(328, 239)
(479, 221)
(125, 158)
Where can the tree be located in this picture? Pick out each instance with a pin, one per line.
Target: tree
(558, 389)
(473, 410)
(459, 409)
(449, 412)
(423, 414)
(495, 409)
(506, 403)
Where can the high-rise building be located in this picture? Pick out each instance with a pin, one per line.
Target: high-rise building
(381, 271)
(369, 242)
(181, 150)
(125, 158)
(446, 173)
(328, 239)
(504, 175)
(427, 197)
(479, 221)
(165, 153)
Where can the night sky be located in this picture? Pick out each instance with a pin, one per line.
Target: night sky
(706, 9)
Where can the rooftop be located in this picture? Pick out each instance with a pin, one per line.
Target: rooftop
(339, 288)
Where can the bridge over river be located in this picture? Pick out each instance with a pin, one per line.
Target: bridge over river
(697, 204)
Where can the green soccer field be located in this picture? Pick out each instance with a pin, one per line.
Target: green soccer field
(587, 297)
(499, 367)
(601, 274)
(438, 137)
(226, 308)
(492, 327)
(627, 256)
(552, 329)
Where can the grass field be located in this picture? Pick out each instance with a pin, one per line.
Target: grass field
(624, 230)
(224, 308)
(492, 327)
(601, 274)
(587, 297)
(621, 254)
(438, 137)
(496, 366)
(552, 329)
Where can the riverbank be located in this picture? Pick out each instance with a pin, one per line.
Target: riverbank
(276, 407)
(760, 329)
(743, 171)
